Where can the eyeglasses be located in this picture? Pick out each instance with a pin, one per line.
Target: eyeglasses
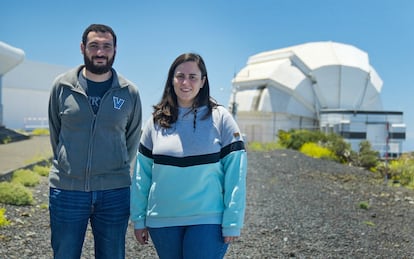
(94, 47)
(191, 77)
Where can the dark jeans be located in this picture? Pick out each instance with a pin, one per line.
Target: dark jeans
(70, 213)
(189, 242)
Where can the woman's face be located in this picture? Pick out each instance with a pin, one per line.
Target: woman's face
(187, 83)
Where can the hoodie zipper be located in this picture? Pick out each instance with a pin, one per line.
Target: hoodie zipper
(90, 142)
(90, 145)
(90, 152)
(92, 138)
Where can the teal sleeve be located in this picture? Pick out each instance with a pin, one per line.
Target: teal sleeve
(235, 168)
(141, 183)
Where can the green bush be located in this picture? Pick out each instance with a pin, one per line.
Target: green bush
(402, 171)
(43, 159)
(41, 170)
(3, 219)
(44, 206)
(26, 177)
(15, 194)
(369, 223)
(366, 158)
(316, 151)
(40, 132)
(255, 146)
(6, 140)
(268, 146)
(272, 146)
(364, 205)
(339, 147)
(294, 139)
(284, 138)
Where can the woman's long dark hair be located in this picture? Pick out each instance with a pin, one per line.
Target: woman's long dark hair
(166, 111)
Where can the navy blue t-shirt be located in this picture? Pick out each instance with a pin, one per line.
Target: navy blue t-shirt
(94, 90)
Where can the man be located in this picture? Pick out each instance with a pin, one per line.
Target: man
(95, 123)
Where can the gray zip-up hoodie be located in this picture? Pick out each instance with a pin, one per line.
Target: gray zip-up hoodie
(93, 151)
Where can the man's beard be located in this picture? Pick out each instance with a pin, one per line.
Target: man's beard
(98, 69)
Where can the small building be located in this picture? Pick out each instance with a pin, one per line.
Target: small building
(385, 130)
(324, 86)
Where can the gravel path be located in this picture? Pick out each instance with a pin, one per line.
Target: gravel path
(297, 207)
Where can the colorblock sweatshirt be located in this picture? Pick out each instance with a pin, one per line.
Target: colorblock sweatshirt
(192, 173)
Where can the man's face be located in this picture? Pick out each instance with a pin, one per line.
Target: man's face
(99, 52)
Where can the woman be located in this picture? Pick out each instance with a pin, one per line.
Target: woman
(188, 187)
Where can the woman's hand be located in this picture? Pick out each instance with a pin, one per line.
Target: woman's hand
(228, 240)
(141, 235)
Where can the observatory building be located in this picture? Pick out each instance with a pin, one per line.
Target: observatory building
(24, 89)
(10, 57)
(325, 86)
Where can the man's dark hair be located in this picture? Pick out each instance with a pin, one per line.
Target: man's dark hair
(98, 28)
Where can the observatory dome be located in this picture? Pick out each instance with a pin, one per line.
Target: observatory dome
(303, 79)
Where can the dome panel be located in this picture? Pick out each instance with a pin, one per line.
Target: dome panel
(258, 71)
(9, 57)
(319, 54)
(287, 75)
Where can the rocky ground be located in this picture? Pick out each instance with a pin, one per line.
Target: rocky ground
(297, 207)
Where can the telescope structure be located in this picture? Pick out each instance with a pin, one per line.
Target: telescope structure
(326, 86)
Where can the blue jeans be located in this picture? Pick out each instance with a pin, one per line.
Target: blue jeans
(189, 242)
(70, 213)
